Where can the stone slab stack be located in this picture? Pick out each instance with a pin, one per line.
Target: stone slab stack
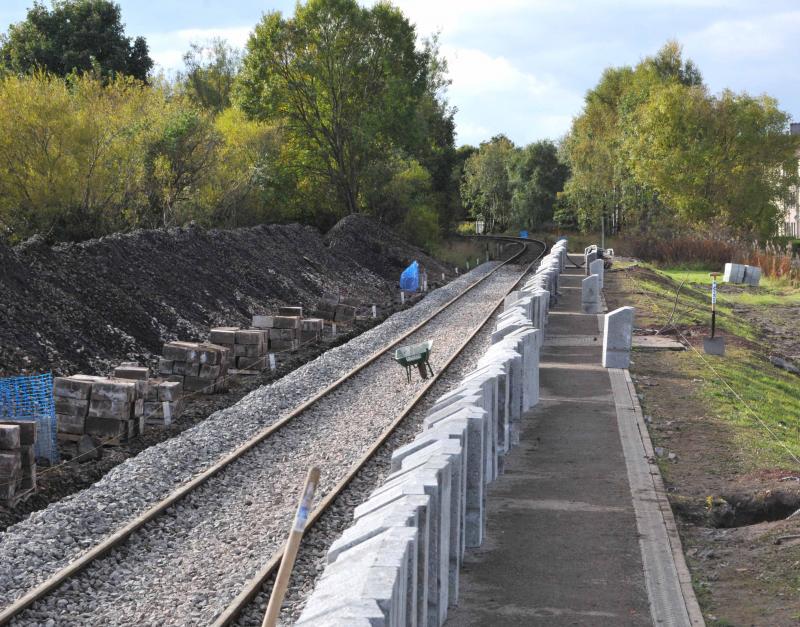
(332, 308)
(283, 330)
(200, 367)
(742, 274)
(17, 460)
(163, 400)
(399, 562)
(103, 407)
(92, 410)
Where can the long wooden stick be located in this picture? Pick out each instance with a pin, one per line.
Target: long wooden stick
(292, 545)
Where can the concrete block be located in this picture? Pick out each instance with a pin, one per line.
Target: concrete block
(27, 430)
(294, 312)
(177, 351)
(119, 391)
(70, 387)
(591, 255)
(409, 511)
(9, 437)
(598, 267)
(618, 337)
(752, 275)
(734, 273)
(590, 295)
(447, 451)
(170, 391)
(474, 490)
(209, 372)
(223, 335)
(165, 366)
(70, 406)
(382, 568)
(341, 613)
(118, 410)
(138, 373)
(185, 368)
(250, 337)
(106, 427)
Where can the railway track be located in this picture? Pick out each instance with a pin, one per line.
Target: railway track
(176, 561)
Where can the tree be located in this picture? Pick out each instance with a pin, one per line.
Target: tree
(536, 176)
(345, 80)
(82, 35)
(485, 187)
(211, 70)
(713, 158)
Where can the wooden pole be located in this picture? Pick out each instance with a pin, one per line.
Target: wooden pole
(292, 545)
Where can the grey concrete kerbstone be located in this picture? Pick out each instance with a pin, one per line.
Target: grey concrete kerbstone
(475, 512)
(618, 337)
(598, 267)
(590, 295)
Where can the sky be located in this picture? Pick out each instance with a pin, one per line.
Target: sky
(522, 67)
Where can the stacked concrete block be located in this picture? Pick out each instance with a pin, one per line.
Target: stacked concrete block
(326, 307)
(163, 400)
(226, 337)
(432, 503)
(284, 331)
(201, 368)
(17, 460)
(738, 273)
(104, 407)
(311, 329)
(618, 338)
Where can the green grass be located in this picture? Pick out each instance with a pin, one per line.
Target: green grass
(766, 413)
(769, 292)
(765, 408)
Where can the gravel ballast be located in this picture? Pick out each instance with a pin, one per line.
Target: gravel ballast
(184, 566)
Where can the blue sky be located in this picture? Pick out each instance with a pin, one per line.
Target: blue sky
(522, 67)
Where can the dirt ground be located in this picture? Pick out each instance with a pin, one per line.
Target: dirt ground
(743, 554)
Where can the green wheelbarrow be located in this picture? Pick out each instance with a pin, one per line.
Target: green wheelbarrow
(415, 355)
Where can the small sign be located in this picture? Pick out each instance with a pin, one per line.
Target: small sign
(374, 311)
(167, 409)
(272, 364)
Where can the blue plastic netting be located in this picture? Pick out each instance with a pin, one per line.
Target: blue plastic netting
(31, 398)
(409, 279)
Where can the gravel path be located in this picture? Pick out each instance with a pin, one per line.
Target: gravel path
(215, 520)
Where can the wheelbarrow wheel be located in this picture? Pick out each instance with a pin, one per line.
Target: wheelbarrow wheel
(423, 372)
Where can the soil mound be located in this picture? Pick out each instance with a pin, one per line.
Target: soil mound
(381, 250)
(81, 307)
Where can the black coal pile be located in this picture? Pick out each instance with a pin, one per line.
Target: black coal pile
(82, 307)
(381, 250)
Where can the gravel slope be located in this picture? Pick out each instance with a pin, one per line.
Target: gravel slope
(32, 550)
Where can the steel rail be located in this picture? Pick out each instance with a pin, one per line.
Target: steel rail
(120, 535)
(253, 586)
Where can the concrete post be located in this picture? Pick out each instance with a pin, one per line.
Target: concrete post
(597, 267)
(590, 295)
(618, 337)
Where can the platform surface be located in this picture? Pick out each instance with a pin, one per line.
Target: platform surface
(563, 546)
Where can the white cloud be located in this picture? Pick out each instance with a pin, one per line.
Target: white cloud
(167, 48)
(759, 36)
(495, 96)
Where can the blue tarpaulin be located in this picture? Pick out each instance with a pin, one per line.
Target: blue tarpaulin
(523, 234)
(409, 280)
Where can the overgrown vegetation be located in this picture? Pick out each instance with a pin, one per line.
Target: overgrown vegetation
(655, 152)
(331, 111)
